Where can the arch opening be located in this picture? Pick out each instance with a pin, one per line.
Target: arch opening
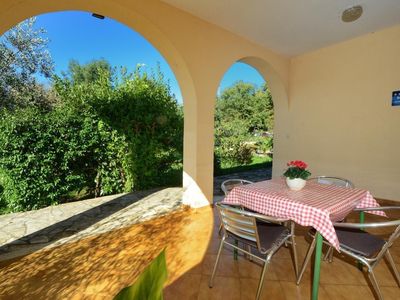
(244, 124)
(86, 101)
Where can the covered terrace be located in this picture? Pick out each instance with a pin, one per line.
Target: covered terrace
(332, 85)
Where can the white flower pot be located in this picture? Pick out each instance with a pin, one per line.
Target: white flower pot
(295, 184)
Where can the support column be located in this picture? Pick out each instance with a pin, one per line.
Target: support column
(198, 150)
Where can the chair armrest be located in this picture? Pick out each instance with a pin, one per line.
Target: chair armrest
(367, 225)
(377, 208)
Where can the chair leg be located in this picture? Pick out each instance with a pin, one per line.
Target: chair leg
(393, 266)
(220, 229)
(330, 259)
(261, 282)
(306, 260)
(329, 254)
(375, 285)
(288, 224)
(249, 250)
(210, 284)
(294, 250)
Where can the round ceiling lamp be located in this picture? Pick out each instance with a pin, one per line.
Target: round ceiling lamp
(351, 14)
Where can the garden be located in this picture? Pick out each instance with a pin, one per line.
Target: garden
(98, 129)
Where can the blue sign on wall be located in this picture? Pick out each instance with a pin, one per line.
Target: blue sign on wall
(396, 98)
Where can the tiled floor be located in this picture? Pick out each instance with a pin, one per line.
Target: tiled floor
(98, 267)
(239, 279)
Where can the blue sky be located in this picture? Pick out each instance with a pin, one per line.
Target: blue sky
(78, 35)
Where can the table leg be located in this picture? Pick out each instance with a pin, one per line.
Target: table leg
(317, 266)
(362, 217)
(235, 252)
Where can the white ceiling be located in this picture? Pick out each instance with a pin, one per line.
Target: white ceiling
(293, 27)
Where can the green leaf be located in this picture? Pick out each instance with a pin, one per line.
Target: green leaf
(149, 284)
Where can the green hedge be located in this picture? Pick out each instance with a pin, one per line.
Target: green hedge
(105, 137)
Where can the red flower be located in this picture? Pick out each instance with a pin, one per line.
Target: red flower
(297, 163)
(297, 169)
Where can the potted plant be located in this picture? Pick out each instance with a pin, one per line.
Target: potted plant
(296, 174)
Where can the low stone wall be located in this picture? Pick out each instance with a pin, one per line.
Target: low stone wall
(23, 233)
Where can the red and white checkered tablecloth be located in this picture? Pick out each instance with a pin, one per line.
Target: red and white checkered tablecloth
(316, 205)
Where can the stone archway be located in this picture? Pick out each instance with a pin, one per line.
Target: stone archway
(198, 53)
(11, 14)
(275, 83)
(280, 98)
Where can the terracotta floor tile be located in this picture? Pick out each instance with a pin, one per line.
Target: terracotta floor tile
(283, 269)
(339, 272)
(391, 293)
(348, 292)
(395, 252)
(302, 291)
(384, 275)
(252, 269)
(186, 287)
(284, 252)
(270, 289)
(214, 246)
(226, 267)
(223, 288)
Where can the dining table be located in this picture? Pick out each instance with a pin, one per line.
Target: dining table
(316, 205)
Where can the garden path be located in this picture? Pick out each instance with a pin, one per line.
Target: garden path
(252, 175)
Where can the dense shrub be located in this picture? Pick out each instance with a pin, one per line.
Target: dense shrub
(106, 136)
(235, 152)
(140, 108)
(46, 156)
(230, 143)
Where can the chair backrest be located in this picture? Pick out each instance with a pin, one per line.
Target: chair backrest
(243, 223)
(229, 184)
(237, 222)
(393, 223)
(395, 234)
(338, 181)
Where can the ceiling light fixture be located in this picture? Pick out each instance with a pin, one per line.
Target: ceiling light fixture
(352, 13)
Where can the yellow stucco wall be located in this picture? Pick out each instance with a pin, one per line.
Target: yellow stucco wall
(340, 117)
(199, 53)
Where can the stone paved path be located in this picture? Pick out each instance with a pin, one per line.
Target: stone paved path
(253, 175)
(23, 233)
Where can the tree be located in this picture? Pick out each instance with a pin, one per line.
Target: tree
(24, 56)
(87, 73)
(245, 103)
(241, 111)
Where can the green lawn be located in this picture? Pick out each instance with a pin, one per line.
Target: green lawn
(260, 159)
